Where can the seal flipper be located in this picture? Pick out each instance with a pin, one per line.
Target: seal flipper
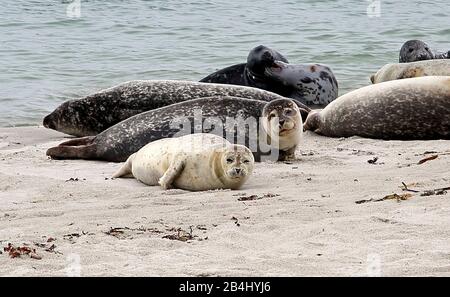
(171, 174)
(443, 55)
(288, 155)
(125, 170)
(79, 148)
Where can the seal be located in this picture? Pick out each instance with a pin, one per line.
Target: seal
(407, 109)
(254, 73)
(195, 162)
(312, 84)
(409, 70)
(97, 112)
(417, 50)
(272, 130)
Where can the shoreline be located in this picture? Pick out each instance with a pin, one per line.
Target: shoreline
(290, 219)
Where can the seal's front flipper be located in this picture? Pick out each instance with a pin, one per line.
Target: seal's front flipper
(125, 170)
(174, 171)
(79, 148)
(288, 155)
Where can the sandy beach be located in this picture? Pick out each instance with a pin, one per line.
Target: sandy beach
(316, 216)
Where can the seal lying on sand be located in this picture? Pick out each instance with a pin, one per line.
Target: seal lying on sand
(97, 112)
(236, 119)
(195, 162)
(417, 50)
(414, 108)
(409, 70)
(312, 84)
(253, 73)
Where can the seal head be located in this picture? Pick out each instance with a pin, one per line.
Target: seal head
(233, 165)
(283, 124)
(415, 50)
(78, 118)
(259, 60)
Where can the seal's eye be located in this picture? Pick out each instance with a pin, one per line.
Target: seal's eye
(229, 160)
(246, 161)
(411, 50)
(267, 56)
(289, 112)
(427, 49)
(271, 116)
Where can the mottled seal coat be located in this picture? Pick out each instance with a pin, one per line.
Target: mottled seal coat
(417, 50)
(312, 84)
(233, 117)
(407, 109)
(95, 113)
(409, 70)
(195, 162)
(253, 73)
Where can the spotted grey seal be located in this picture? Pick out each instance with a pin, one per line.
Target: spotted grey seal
(195, 162)
(237, 119)
(95, 113)
(407, 109)
(409, 70)
(417, 50)
(312, 84)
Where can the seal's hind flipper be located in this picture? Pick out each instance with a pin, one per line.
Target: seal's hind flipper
(79, 148)
(125, 170)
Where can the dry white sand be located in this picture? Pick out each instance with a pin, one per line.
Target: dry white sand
(311, 227)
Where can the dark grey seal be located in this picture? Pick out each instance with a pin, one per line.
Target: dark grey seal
(417, 50)
(228, 117)
(407, 109)
(253, 73)
(97, 112)
(312, 84)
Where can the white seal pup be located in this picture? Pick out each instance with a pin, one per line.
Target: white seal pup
(408, 109)
(195, 162)
(395, 71)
